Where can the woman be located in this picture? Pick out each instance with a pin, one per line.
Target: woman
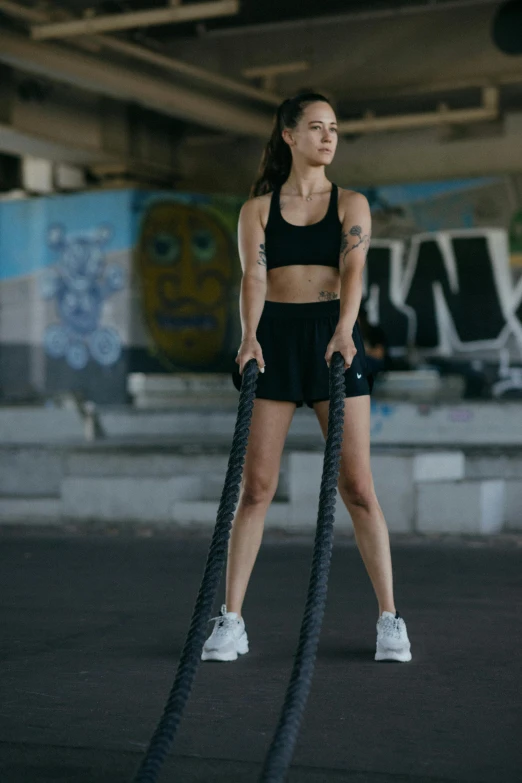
(303, 244)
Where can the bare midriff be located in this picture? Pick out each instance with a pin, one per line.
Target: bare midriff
(303, 283)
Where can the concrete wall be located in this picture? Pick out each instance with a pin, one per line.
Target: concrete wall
(91, 285)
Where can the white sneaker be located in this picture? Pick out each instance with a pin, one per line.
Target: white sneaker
(228, 638)
(392, 638)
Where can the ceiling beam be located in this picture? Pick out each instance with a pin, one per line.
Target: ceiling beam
(414, 89)
(174, 14)
(270, 73)
(187, 69)
(125, 84)
(443, 116)
(325, 20)
(95, 42)
(19, 142)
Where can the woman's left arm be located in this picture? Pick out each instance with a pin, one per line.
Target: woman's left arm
(355, 241)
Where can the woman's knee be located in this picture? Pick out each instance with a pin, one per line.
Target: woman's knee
(357, 491)
(257, 491)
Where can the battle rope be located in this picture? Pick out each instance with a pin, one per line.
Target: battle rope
(281, 750)
(280, 753)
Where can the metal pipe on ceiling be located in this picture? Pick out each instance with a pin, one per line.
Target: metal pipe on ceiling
(177, 66)
(426, 88)
(121, 84)
(174, 14)
(367, 124)
(31, 16)
(443, 116)
(351, 17)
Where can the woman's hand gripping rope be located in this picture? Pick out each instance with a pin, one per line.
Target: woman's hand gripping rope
(341, 341)
(250, 349)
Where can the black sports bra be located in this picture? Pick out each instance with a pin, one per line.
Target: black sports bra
(318, 243)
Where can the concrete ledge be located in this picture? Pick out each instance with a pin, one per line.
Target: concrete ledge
(513, 505)
(393, 484)
(185, 513)
(183, 390)
(461, 506)
(147, 500)
(39, 425)
(393, 481)
(304, 482)
(152, 464)
(179, 383)
(488, 464)
(439, 466)
(30, 471)
(392, 424)
(34, 511)
(305, 470)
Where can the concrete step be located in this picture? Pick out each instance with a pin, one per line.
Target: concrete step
(44, 510)
(31, 471)
(125, 498)
(280, 516)
(151, 464)
(513, 505)
(213, 484)
(214, 391)
(474, 507)
(39, 424)
(211, 469)
(186, 513)
(401, 424)
(200, 424)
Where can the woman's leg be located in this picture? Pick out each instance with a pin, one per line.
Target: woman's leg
(358, 494)
(271, 421)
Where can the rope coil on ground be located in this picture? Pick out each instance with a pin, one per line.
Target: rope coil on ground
(280, 753)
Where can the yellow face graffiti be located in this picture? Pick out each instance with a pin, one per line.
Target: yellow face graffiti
(185, 265)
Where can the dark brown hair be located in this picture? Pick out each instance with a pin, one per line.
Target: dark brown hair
(276, 160)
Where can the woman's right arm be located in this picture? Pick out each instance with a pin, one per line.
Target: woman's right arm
(251, 244)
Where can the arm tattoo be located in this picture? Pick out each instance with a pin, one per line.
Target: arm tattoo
(327, 295)
(363, 239)
(262, 255)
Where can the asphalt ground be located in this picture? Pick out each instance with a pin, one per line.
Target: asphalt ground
(93, 621)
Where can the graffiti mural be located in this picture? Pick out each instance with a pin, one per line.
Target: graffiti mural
(185, 258)
(448, 294)
(79, 283)
(97, 285)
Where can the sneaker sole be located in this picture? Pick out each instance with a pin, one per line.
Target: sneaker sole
(215, 655)
(393, 655)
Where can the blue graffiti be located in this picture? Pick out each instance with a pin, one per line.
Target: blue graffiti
(80, 283)
(378, 413)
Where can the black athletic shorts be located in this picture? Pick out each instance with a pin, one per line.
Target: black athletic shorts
(294, 337)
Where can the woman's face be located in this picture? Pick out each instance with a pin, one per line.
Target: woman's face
(315, 136)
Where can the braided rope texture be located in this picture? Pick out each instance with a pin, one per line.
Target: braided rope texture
(281, 751)
(191, 654)
(279, 756)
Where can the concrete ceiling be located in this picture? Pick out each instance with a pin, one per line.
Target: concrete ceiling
(358, 53)
(224, 76)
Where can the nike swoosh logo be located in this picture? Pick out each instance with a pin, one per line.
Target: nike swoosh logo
(359, 375)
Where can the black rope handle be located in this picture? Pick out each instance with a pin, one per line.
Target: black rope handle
(281, 751)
